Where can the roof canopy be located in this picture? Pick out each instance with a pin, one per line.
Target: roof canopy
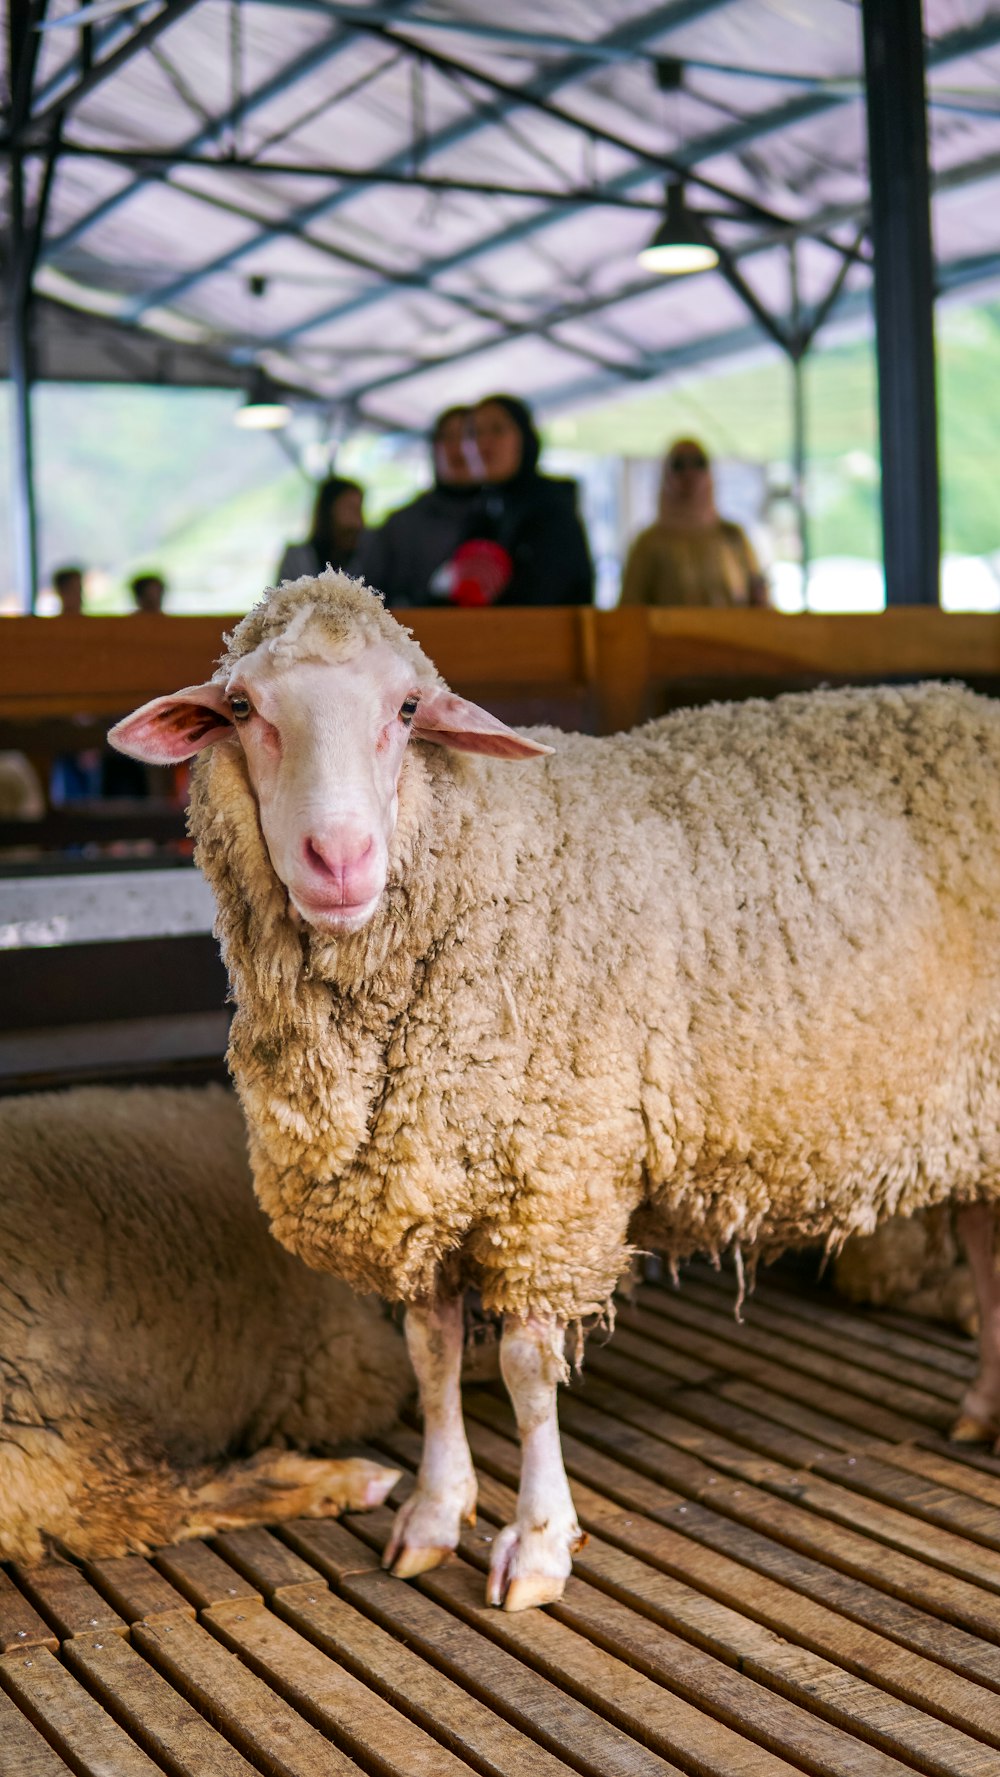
(393, 207)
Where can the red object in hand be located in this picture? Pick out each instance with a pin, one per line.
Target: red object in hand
(480, 571)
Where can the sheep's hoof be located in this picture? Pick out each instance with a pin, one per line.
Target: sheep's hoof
(411, 1562)
(533, 1589)
(428, 1526)
(968, 1429)
(530, 1566)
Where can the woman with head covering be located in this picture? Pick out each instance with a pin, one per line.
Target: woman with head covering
(525, 543)
(337, 527)
(402, 558)
(691, 556)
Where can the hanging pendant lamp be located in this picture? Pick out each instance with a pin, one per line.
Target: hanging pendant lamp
(681, 242)
(262, 411)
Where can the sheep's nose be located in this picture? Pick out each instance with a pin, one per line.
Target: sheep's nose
(336, 855)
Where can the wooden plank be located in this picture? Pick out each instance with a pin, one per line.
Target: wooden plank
(801, 1448)
(864, 1556)
(710, 1409)
(158, 1719)
(857, 1323)
(468, 1727)
(23, 1752)
(835, 1502)
(642, 1707)
(20, 1623)
(803, 1328)
(261, 1725)
(826, 1367)
(880, 1422)
(539, 1708)
(103, 664)
(957, 1476)
(632, 1492)
(69, 1718)
(918, 1494)
(202, 1576)
(933, 1332)
(68, 1601)
(355, 1718)
(132, 1585)
(844, 1647)
(823, 1428)
(669, 1362)
(908, 640)
(264, 1562)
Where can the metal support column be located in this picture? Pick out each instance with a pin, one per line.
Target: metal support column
(798, 343)
(23, 41)
(25, 525)
(904, 299)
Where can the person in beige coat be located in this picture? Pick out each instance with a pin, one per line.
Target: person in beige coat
(691, 556)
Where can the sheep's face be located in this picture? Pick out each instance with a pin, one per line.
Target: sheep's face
(324, 740)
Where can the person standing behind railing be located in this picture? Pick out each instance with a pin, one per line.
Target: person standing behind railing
(335, 535)
(691, 556)
(525, 544)
(404, 557)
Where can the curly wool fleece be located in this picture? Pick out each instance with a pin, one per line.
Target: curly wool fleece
(732, 978)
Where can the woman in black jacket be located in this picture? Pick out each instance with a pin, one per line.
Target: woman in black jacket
(526, 544)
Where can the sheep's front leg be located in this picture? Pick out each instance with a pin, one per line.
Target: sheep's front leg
(427, 1527)
(532, 1557)
(979, 1419)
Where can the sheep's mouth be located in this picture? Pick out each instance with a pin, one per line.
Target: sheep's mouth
(339, 916)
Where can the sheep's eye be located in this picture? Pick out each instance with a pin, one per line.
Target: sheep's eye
(408, 708)
(241, 708)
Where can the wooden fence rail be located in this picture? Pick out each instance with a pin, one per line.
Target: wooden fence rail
(615, 659)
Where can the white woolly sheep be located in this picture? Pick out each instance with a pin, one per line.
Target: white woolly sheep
(159, 1352)
(730, 980)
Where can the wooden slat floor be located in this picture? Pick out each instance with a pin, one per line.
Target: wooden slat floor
(788, 1570)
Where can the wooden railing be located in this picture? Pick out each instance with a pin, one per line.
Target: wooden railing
(51, 672)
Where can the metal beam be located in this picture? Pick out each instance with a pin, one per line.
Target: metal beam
(724, 141)
(851, 306)
(157, 161)
(661, 19)
(904, 299)
(95, 76)
(340, 39)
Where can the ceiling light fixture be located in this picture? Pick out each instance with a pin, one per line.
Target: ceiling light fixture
(681, 242)
(262, 411)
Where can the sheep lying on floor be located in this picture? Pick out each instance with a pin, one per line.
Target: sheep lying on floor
(916, 1264)
(731, 980)
(158, 1350)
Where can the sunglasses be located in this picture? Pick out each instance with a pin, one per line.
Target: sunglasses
(687, 460)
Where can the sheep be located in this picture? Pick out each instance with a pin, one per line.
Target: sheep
(158, 1350)
(729, 981)
(914, 1263)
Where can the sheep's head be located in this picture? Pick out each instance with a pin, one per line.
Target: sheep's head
(323, 691)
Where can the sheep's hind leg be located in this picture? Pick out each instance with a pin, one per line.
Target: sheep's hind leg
(979, 1419)
(428, 1526)
(532, 1557)
(275, 1485)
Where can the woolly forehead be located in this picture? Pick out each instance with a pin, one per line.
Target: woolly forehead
(316, 615)
(317, 638)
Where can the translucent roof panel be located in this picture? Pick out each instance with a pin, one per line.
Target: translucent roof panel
(392, 206)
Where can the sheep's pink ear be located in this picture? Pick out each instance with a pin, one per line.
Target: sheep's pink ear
(170, 729)
(451, 721)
